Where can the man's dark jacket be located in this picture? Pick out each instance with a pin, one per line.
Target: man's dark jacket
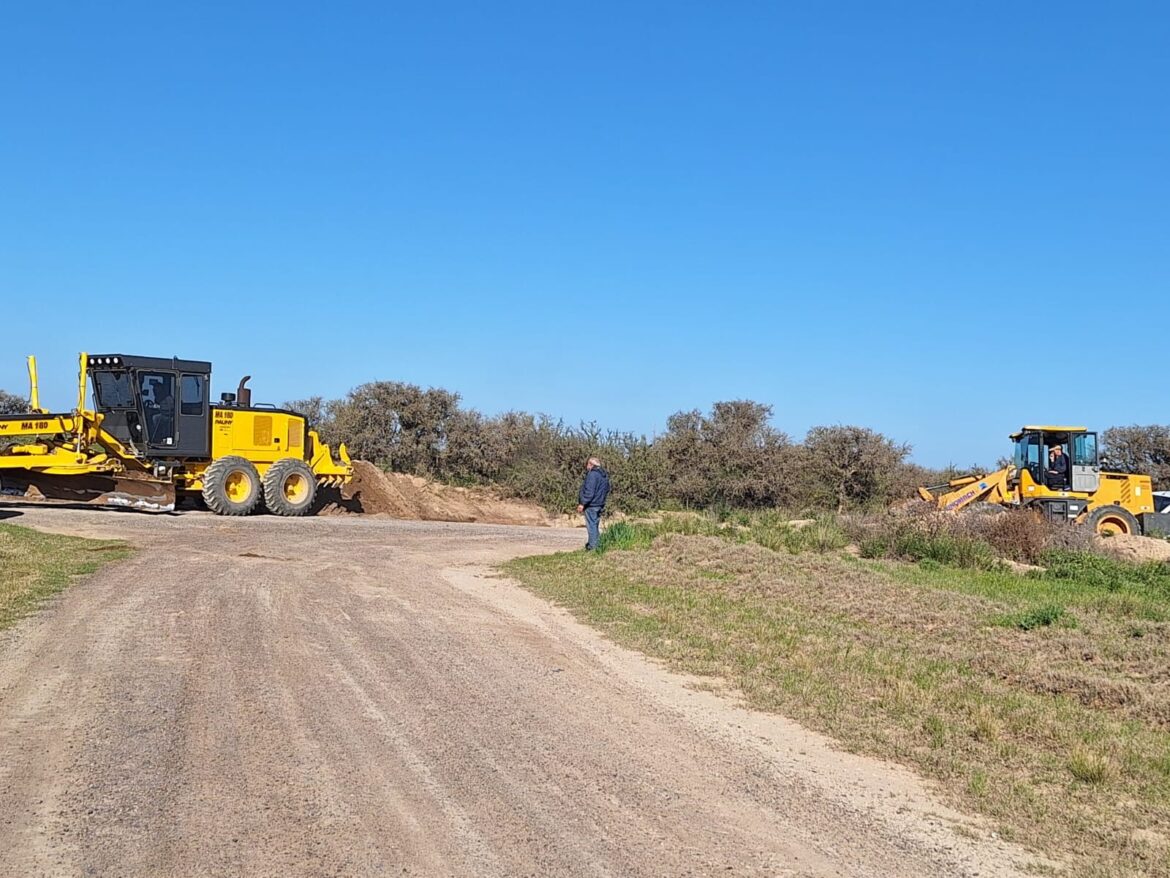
(595, 489)
(1058, 469)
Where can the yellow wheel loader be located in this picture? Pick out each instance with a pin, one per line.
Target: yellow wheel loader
(153, 434)
(1078, 491)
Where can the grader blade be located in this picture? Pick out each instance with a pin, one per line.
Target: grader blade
(122, 490)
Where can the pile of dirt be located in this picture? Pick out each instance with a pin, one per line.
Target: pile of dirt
(1134, 548)
(374, 492)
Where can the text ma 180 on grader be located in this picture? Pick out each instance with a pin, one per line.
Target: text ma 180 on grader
(153, 434)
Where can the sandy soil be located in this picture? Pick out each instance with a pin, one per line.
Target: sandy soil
(1136, 548)
(375, 492)
(361, 696)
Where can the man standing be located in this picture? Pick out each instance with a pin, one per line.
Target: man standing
(1057, 469)
(591, 500)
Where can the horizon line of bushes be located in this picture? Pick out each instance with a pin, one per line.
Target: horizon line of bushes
(730, 457)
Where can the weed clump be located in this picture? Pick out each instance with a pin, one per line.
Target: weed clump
(1090, 767)
(1037, 617)
(623, 535)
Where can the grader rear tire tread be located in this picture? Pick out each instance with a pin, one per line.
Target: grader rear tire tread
(1114, 518)
(216, 486)
(277, 495)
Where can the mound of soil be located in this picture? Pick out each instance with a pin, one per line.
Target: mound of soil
(1135, 548)
(374, 492)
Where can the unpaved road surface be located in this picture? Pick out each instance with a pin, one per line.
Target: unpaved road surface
(361, 696)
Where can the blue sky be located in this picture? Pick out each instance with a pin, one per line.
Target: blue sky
(940, 220)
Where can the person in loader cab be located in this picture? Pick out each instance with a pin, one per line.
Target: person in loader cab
(1057, 469)
(591, 500)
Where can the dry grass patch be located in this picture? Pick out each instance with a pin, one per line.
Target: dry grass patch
(1059, 729)
(37, 566)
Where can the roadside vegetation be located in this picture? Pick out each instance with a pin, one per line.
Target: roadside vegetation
(730, 457)
(1034, 692)
(37, 566)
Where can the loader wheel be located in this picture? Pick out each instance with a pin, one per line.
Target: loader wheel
(1110, 520)
(231, 486)
(289, 487)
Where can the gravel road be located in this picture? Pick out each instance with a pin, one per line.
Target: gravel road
(357, 696)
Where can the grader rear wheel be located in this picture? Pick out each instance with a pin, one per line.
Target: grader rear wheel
(231, 486)
(289, 487)
(1111, 520)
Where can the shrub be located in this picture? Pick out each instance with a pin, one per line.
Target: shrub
(920, 534)
(1019, 534)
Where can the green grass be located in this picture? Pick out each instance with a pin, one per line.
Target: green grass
(768, 529)
(34, 566)
(1117, 589)
(1032, 699)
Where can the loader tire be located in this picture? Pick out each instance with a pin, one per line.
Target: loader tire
(231, 486)
(289, 487)
(1110, 520)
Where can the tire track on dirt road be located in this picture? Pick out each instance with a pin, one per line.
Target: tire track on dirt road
(350, 696)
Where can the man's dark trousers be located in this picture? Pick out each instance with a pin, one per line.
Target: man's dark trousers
(593, 525)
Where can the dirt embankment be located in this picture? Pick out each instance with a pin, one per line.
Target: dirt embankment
(1130, 547)
(374, 492)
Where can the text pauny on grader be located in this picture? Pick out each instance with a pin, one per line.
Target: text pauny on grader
(1106, 501)
(153, 433)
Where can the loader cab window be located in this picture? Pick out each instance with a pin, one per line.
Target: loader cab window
(1084, 449)
(157, 392)
(1029, 450)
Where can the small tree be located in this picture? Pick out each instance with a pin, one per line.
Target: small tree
(11, 404)
(1138, 449)
(313, 408)
(730, 456)
(848, 467)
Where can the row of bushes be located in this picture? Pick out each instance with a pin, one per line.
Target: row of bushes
(729, 457)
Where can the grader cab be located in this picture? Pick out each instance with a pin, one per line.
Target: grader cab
(153, 434)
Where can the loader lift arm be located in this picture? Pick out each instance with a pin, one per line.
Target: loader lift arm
(957, 494)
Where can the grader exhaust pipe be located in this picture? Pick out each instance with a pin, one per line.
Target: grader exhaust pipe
(243, 393)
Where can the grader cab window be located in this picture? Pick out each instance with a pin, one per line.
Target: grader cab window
(114, 390)
(157, 391)
(191, 401)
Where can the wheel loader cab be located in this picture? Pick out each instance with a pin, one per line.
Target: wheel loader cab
(1032, 447)
(160, 407)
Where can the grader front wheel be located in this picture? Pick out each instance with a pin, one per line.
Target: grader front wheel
(231, 486)
(289, 487)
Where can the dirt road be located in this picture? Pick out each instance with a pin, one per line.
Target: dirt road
(354, 696)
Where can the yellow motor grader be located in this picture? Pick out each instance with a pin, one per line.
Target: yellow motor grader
(153, 434)
(1079, 491)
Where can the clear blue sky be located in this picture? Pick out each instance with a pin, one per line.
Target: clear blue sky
(941, 220)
